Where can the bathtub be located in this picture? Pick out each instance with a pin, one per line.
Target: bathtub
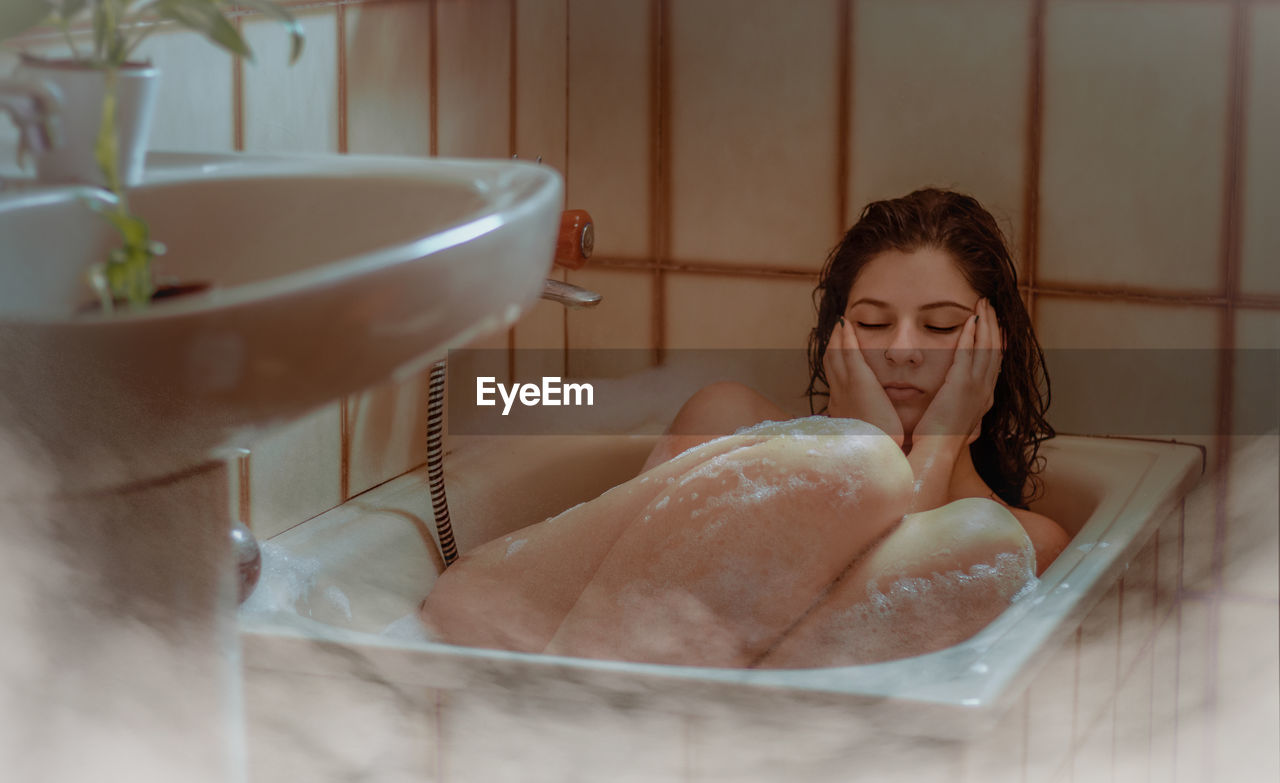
(349, 581)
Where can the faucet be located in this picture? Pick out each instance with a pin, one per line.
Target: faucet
(34, 108)
(574, 246)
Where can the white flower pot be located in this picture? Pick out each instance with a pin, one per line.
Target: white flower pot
(82, 89)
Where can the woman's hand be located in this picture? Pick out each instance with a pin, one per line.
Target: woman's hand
(969, 388)
(855, 391)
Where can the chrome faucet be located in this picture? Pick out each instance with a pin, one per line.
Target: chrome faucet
(34, 108)
(574, 245)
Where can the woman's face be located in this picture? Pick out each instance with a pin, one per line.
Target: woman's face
(907, 310)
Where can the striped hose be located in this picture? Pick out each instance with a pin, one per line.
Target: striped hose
(435, 463)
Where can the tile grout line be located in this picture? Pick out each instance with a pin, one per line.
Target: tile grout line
(1177, 626)
(844, 111)
(345, 404)
(341, 34)
(433, 79)
(1034, 144)
(1075, 710)
(512, 100)
(1230, 274)
(245, 500)
(565, 172)
(660, 181)
(1126, 294)
(237, 94)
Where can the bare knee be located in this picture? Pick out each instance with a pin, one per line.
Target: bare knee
(719, 409)
(722, 408)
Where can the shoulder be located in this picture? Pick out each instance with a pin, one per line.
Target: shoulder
(1047, 536)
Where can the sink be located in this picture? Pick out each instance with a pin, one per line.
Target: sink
(311, 278)
(326, 276)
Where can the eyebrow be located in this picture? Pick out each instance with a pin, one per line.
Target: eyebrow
(930, 306)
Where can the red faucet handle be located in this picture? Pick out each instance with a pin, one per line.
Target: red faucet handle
(577, 239)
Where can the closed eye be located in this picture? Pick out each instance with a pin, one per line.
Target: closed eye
(942, 329)
(872, 326)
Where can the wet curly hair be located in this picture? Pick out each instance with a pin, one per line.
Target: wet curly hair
(1006, 452)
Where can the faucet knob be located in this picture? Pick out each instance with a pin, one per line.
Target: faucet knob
(577, 239)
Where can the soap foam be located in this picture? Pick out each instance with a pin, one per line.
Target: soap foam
(918, 615)
(409, 629)
(285, 584)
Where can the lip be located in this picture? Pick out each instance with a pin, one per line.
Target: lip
(902, 392)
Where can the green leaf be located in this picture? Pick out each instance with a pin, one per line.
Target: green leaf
(203, 16)
(296, 35)
(19, 16)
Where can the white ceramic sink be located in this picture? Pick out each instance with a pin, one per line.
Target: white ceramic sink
(327, 275)
(324, 276)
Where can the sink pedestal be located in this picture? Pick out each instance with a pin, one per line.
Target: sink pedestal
(121, 657)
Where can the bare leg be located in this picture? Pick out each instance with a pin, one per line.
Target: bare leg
(715, 410)
(738, 548)
(512, 593)
(945, 574)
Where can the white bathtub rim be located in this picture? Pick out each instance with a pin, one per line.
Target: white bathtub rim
(975, 680)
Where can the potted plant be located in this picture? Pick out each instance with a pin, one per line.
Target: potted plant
(108, 98)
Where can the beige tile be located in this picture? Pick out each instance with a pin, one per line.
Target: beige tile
(387, 428)
(1199, 529)
(296, 472)
(1099, 653)
(760, 747)
(1251, 557)
(1194, 686)
(474, 78)
(539, 340)
(712, 318)
(1260, 163)
(542, 54)
(194, 109)
(1052, 699)
(1164, 702)
(1248, 712)
(486, 355)
(726, 311)
(1137, 606)
(1165, 386)
(501, 737)
(997, 757)
(940, 99)
(1135, 102)
(388, 49)
(610, 156)
(1255, 403)
(305, 727)
(1168, 564)
(753, 132)
(1094, 759)
(616, 337)
(1133, 723)
(292, 108)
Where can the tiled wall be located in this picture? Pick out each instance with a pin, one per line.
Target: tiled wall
(723, 146)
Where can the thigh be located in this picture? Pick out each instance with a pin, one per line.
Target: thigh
(715, 410)
(731, 553)
(937, 579)
(513, 592)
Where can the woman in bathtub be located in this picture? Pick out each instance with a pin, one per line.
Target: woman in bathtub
(890, 526)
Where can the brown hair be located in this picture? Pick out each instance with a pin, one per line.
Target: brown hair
(1005, 453)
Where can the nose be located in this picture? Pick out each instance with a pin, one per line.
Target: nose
(904, 348)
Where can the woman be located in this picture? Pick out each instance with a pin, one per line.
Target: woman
(770, 547)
